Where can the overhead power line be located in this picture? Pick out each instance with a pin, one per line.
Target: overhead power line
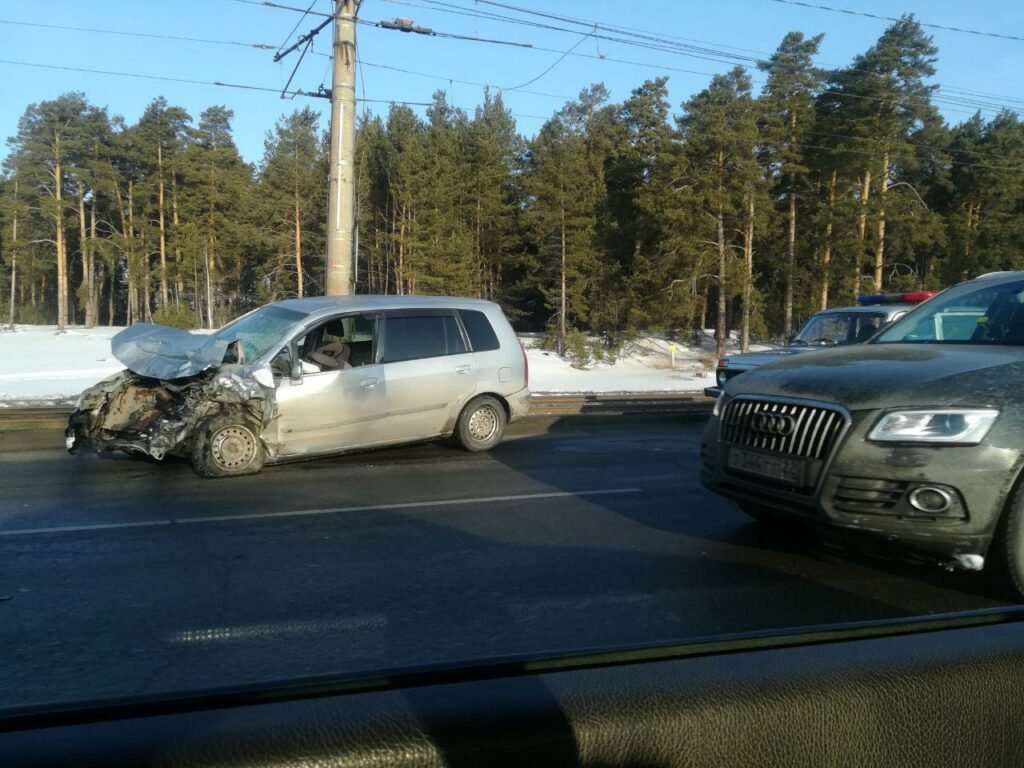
(667, 43)
(124, 33)
(961, 102)
(434, 33)
(166, 78)
(554, 64)
(297, 23)
(445, 78)
(866, 14)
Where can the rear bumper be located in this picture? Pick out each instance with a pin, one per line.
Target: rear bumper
(518, 404)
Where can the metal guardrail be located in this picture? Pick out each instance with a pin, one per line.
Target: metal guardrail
(55, 417)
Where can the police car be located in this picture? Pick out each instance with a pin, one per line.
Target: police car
(828, 328)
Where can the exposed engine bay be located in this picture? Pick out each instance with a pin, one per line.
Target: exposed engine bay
(174, 382)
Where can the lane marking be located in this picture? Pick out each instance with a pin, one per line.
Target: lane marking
(326, 511)
(73, 528)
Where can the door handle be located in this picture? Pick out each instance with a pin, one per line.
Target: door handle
(463, 369)
(368, 383)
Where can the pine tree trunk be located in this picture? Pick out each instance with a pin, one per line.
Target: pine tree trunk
(174, 225)
(14, 255)
(126, 236)
(93, 310)
(862, 224)
(880, 244)
(720, 323)
(790, 259)
(748, 275)
(62, 256)
(826, 252)
(561, 294)
(84, 288)
(298, 241)
(401, 254)
(720, 332)
(110, 300)
(163, 226)
(480, 290)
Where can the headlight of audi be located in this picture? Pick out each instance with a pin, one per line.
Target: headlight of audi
(964, 426)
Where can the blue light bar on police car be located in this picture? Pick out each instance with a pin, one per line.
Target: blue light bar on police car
(915, 297)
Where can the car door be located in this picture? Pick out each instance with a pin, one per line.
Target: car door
(331, 410)
(429, 369)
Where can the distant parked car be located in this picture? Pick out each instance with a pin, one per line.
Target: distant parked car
(828, 328)
(310, 377)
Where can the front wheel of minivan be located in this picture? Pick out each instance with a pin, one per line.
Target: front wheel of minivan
(226, 445)
(480, 424)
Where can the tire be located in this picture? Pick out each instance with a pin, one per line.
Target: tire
(480, 424)
(1004, 563)
(227, 445)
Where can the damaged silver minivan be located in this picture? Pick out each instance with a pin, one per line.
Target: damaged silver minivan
(309, 377)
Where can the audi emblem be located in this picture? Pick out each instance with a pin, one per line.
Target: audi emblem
(778, 424)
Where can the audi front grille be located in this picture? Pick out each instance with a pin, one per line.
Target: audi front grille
(792, 429)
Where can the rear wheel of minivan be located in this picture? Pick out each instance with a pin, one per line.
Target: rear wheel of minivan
(227, 445)
(481, 424)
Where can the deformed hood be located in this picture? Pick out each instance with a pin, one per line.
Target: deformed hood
(764, 357)
(161, 352)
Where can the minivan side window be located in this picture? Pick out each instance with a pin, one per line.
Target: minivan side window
(339, 343)
(481, 335)
(413, 337)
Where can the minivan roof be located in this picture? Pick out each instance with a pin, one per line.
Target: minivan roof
(327, 304)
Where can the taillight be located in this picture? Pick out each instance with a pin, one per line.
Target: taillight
(526, 364)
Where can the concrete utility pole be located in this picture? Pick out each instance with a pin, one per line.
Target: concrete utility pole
(341, 195)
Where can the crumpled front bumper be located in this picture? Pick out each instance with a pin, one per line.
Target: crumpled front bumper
(136, 414)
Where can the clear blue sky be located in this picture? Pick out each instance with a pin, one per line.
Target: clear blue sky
(969, 62)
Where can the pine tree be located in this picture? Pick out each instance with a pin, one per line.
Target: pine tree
(720, 133)
(291, 178)
(561, 219)
(788, 108)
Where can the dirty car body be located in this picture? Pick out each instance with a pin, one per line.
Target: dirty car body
(310, 377)
(916, 436)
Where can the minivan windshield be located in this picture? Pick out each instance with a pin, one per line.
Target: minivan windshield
(978, 312)
(260, 330)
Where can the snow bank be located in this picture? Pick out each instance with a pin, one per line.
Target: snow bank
(647, 365)
(40, 365)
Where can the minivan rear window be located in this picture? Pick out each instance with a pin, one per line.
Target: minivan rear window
(481, 335)
(411, 337)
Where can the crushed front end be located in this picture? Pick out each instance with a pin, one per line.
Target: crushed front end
(137, 414)
(174, 381)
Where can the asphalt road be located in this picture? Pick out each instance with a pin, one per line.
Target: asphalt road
(120, 576)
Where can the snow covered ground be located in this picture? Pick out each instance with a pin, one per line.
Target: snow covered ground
(38, 365)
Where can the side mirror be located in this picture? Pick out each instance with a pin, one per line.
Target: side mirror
(296, 375)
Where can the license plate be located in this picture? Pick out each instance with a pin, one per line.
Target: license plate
(784, 470)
